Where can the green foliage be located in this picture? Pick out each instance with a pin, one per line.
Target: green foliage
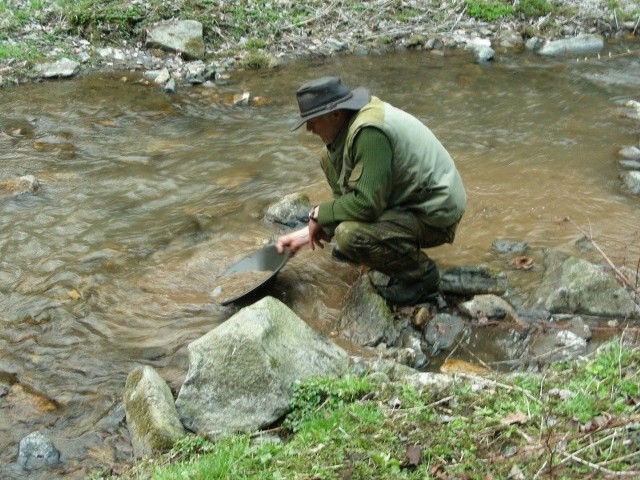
(607, 384)
(256, 61)
(19, 52)
(355, 428)
(308, 397)
(106, 16)
(489, 10)
(191, 446)
(256, 44)
(533, 8)
(406, 14)
(226, 461)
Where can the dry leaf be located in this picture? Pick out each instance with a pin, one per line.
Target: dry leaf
(414, 457)
(522, 262)
(515, 417)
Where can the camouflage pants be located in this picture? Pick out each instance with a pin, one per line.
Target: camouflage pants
(392, 244)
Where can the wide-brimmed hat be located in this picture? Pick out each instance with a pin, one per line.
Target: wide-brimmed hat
(326, 94)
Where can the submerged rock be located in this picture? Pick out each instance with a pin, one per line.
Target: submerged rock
(37, 451)
(291, 210)
(471, 280)
(442, 332)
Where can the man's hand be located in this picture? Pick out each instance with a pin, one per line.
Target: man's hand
(317, 235)
(293, 241)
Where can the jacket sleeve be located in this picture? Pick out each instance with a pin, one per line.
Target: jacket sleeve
(369, 186)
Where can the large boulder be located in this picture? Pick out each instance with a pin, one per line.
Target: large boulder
(574, 285)
(240, 373)
(181, 36)
(586, 43)
(152, 418)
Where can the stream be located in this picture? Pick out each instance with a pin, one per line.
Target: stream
(147, 197)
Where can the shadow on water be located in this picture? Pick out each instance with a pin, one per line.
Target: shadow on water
(147, 197)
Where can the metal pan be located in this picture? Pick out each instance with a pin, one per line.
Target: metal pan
(265, 259)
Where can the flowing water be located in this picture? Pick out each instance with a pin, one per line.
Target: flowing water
(146, 197)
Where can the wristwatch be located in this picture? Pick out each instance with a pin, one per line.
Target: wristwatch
(313, 214)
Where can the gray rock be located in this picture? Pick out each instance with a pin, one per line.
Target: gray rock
(570, 46)
(631, 181)
(629, 164)
(181, 36)
(170, 86)
(337, 45)
(533, 315)
(442, 331)
(509, 246)
(572, 285)
(510, 39)
(579, 328)
(630, 152)
(484, 54)
(241, 372)
(472, 280)
(151, 414)
(490, 307)
(292, 210)
(384, 369)
(534, 43)
(570, 340)
(410, 351)
(365, 318)
(25, 184)
(37, 451)
(59, 69)
(434, 382)
(482, 49)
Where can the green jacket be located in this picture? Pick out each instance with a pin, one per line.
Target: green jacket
(386, 158)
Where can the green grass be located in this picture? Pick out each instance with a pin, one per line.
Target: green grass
(359, 428)
(19, 52)
(491, 10)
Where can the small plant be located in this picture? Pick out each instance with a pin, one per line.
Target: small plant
(256, 61)
(310, 396)
(533, 8)
(191, 446)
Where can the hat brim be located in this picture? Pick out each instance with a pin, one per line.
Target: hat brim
(359, 98)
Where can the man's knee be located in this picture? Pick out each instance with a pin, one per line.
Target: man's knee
(345, 235)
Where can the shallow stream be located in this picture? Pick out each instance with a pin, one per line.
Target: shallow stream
(146, 197)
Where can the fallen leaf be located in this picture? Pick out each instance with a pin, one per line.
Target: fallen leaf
(414, 457)
(522, 262)
(515, 417)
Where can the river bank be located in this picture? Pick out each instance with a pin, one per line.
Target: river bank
(103, 37)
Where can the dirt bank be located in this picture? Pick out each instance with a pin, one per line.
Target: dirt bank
(263, 34)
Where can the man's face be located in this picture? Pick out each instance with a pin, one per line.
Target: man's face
(326, 126)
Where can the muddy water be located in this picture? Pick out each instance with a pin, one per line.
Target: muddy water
(147, 197)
